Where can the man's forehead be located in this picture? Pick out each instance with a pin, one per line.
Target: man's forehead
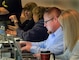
(49, 15)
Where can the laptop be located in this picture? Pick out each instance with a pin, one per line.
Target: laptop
(18, 53)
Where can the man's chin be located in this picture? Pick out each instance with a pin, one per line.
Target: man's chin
(49, 32)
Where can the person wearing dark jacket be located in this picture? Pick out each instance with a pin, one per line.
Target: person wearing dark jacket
(26, 18)
(9, 7)
(28, 24)
(38, 32)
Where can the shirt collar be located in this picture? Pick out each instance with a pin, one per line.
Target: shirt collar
(57, 31)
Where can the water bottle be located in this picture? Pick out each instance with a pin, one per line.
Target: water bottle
(2, 31)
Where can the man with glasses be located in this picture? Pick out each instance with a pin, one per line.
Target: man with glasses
(54, 42)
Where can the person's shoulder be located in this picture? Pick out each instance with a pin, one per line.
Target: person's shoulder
(41, 20)
(77, 43)
(76, 47)
(78, 40)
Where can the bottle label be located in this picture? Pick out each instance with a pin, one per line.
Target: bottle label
(2, 30)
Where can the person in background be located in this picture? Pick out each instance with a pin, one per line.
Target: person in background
(26, 18)
(69, 20)
(9, 7)
(38, 13)
(54, 42)
(38, 32)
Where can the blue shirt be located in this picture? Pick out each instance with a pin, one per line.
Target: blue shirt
(54, 43)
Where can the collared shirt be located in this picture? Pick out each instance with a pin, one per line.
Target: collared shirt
(54, 43)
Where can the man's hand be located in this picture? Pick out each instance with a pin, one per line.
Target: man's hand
(37, 55)
(13, 18)
(13, 27)
(25, 46)
(11, 32)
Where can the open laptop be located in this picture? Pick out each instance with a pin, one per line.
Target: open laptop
(16, 49)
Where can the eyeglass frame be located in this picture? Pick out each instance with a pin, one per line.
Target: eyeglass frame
(48, 20)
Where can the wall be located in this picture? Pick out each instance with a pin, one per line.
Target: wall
(63, 4)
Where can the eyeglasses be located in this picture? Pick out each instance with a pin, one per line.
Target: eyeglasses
(48, 20)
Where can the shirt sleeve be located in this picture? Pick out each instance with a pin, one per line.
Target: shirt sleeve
(56, 48)
(37, 46)
(54, 44)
